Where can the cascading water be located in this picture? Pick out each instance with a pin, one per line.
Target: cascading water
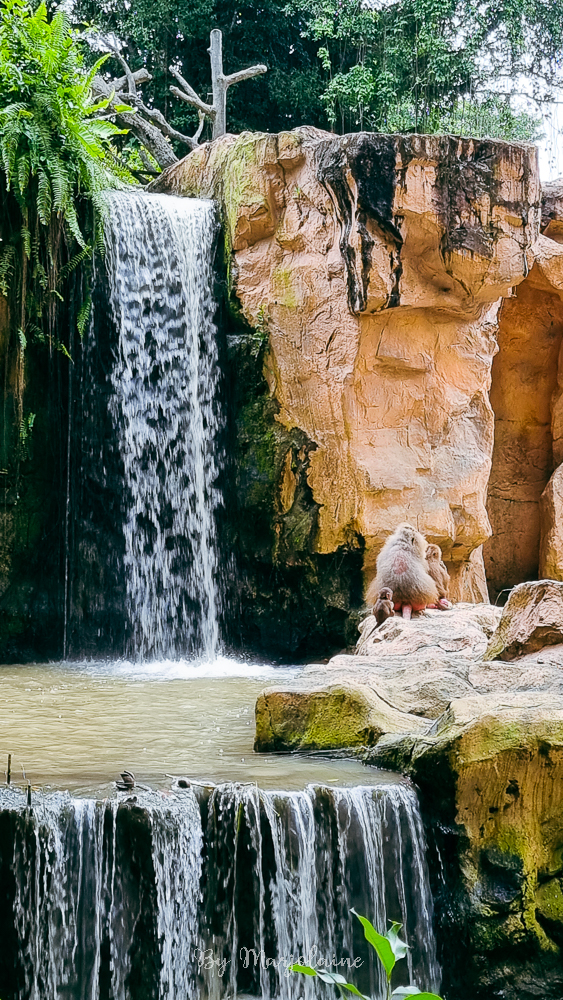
(154, 467)
(209, 895)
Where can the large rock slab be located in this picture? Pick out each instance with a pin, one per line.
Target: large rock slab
(464, 629)
(532, 618)
(413, 669)
(377, 265)
(312, 717)
(491, 775)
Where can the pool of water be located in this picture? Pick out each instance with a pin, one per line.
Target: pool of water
(78, 725)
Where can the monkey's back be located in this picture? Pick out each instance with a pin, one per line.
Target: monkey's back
(405, 573)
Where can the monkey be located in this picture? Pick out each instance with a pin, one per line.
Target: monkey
(440, 575)
(383, 607)
(401, 566)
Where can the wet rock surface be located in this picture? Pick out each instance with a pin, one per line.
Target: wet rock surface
(490, 770)
(414, 668)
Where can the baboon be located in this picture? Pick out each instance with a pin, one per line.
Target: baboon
(383, 607)
(402, 566)
(440, 575)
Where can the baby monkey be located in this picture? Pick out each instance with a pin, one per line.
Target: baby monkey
(440, 575)
(383, 607)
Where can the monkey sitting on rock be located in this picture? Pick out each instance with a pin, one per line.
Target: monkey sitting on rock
(440, 575)
(402, 567)
(383, 607)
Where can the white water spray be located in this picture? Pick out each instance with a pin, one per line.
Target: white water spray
(159, 262)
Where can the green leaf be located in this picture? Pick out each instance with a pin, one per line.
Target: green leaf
(379, 943)
(331, 977)
(305, 969)
(402, 992)
(398, 947)
(352, 989)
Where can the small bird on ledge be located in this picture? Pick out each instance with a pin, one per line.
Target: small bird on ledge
(126, 781)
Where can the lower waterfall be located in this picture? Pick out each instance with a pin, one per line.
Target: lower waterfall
(208, 894)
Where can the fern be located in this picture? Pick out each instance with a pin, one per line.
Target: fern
(54, 137)
(83, 316)
(7, 267)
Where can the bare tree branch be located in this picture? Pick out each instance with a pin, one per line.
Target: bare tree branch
(159, 120)
(128, 74)
(190, 95)
(245, 74)
(146, 132)
(217, 111)
(140, 76)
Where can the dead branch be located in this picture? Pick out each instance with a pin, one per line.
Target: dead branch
(220, 83)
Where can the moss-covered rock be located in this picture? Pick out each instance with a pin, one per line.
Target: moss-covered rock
(491, 775)
(306, 717)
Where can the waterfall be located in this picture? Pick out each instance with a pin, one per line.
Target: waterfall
(152, 471)
(208, 895)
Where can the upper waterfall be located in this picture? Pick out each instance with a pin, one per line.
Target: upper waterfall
(162, 402)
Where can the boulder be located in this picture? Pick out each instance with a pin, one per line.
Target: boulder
(311, 717)
(490, 772)
(532, 618)
(465, 629)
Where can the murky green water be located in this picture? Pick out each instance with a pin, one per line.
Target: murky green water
(77, 726)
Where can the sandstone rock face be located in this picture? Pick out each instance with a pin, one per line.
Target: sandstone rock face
(551, 542)
(531, 619)
(527, 399)
(552, 210)
(524, 381)
(378, 264)
(491, 775)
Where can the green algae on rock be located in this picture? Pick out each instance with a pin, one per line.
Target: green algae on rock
(491, 775)
(322, 718)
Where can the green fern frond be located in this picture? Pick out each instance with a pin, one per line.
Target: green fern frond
(44, 198)
(83, 316)
(7, 261)
(26, 240)
(78, 259)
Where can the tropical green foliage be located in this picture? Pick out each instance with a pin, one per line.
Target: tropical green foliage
(421, 65)
(389, 948)
(53, 139)
(387, 65)
(56, 162)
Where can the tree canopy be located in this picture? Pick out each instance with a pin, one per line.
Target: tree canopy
(387, 65)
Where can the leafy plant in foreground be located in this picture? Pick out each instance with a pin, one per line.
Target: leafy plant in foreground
(56, 161)
(389, 948)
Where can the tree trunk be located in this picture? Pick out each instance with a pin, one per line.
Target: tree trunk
(218, 83)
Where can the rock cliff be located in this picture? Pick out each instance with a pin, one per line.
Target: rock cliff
(489, 768)
(377, 267)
